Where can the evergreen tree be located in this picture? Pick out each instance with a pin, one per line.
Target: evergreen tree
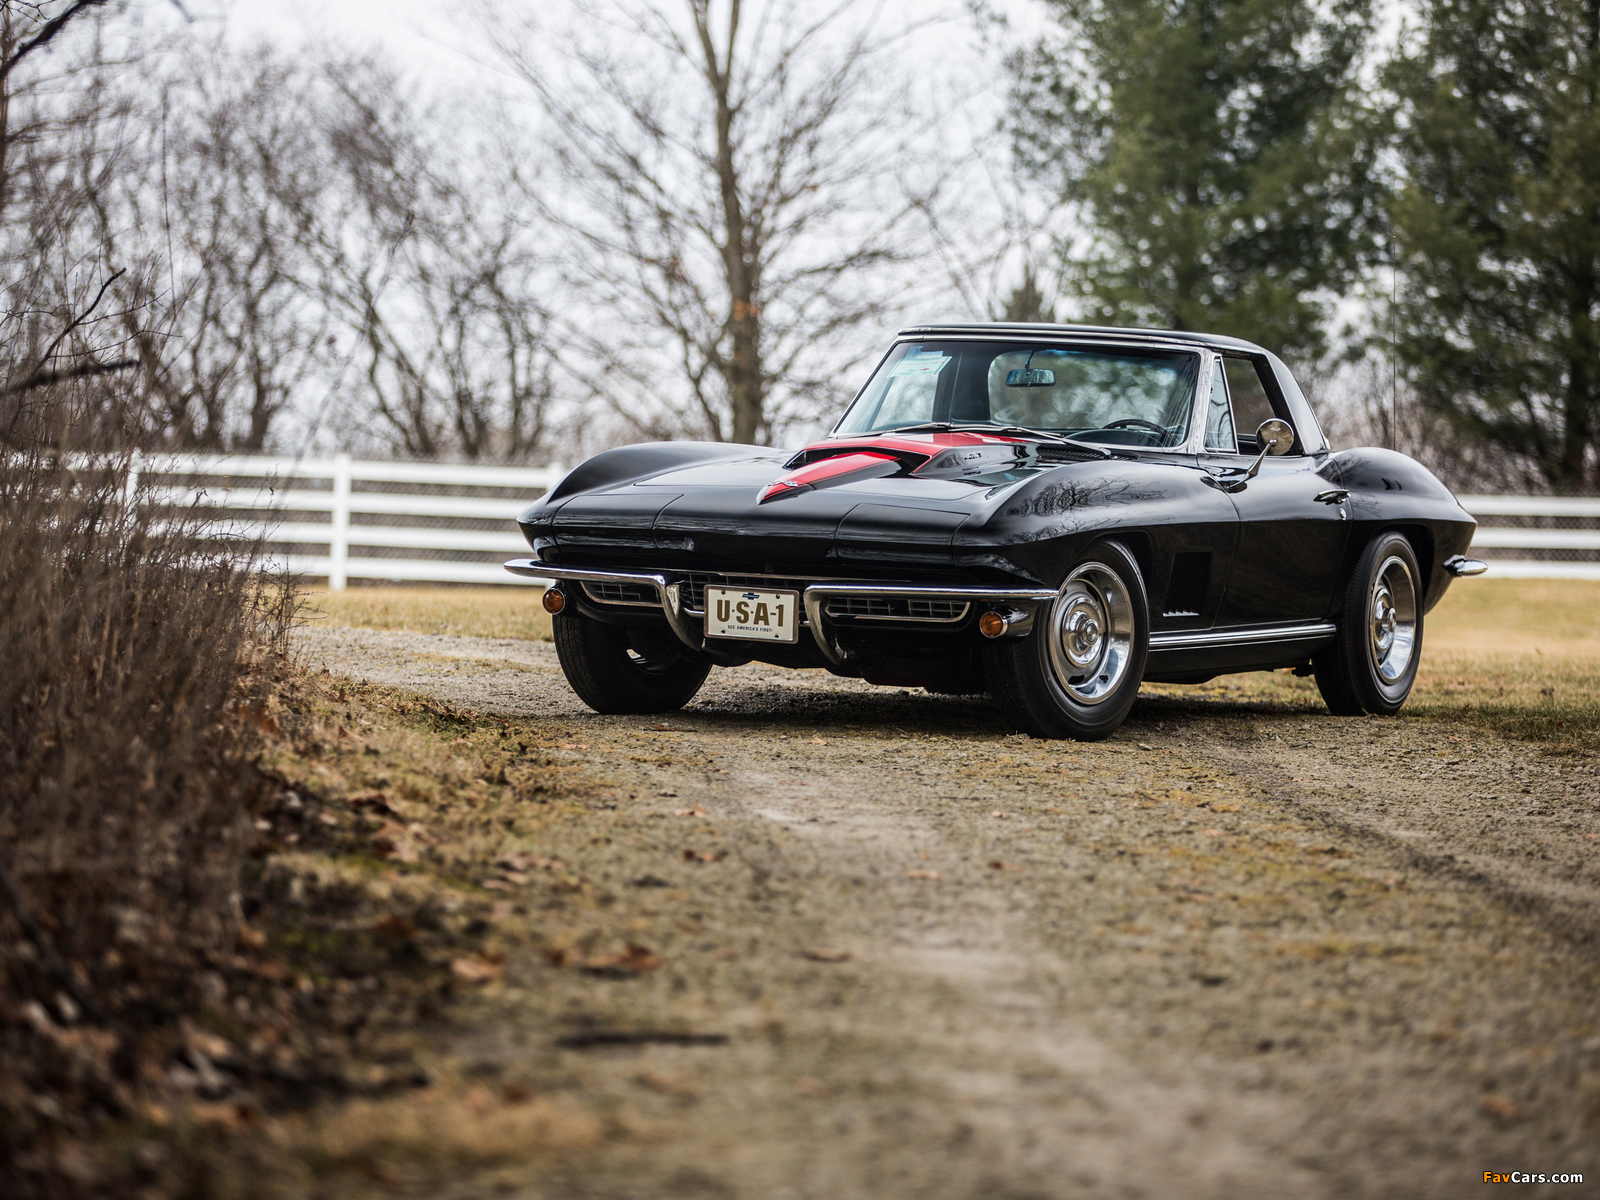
(1218, 153)
(1498, 226)
(1027, 303)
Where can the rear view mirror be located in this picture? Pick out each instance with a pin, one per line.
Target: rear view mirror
(1035, 377)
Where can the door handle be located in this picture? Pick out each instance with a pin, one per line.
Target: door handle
(1332, 496)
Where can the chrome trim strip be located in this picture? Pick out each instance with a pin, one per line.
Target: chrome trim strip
(536, 569)
(921, 591)
(1242, 636)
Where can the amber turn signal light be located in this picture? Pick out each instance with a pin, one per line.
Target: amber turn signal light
(991, 624)
(554, 600)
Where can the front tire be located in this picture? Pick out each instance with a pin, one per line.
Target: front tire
(1077, 674)
(1372, 663)
(616, 669)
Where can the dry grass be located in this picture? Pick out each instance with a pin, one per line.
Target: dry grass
(1518, 655)
(438, 1129)
(493, 612)
(1556, 617)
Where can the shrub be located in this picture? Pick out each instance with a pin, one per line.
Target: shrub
(133, 659)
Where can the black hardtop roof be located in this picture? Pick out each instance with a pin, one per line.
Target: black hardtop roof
(1019, 328)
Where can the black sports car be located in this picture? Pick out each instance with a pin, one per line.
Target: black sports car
(1048, 513)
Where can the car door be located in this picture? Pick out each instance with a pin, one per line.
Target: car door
(1292, 522)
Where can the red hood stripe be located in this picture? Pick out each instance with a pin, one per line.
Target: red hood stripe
(836, 470)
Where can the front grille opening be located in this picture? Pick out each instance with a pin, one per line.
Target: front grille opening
(694, 587)
(621, 593)
(896, 608)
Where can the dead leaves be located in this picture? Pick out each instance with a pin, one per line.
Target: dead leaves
(395, 926)
(634, 961)
(518, 862)
(383, 804)
(704, 856)
(1499, 1108)
(667, 1085)
(827, 956)
(478, 968)
(398, 843)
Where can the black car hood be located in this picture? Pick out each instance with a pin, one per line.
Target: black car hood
(856, 507)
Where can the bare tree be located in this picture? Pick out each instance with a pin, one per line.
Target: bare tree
(225, 314)
(738, 184)
(61, 126)
(433, 271)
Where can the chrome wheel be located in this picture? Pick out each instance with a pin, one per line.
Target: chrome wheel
(1090, 633)
(1392, 619)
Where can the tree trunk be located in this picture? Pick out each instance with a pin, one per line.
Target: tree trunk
(8, 43)
(1579, 432)
(741, 370)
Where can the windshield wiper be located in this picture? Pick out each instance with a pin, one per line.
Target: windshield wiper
(1073, 438)
(970, 427)
(976, 427)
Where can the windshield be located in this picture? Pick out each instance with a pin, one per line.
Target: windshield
(1125, 397)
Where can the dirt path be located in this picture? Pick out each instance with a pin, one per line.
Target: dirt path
(1233, 951)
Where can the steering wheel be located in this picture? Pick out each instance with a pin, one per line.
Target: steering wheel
(1126, 421)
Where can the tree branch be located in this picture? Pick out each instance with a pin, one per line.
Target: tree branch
(44, 36)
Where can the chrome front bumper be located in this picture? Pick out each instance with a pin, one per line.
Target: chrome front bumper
(671, 591)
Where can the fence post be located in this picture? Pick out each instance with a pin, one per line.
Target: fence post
(339, 525)
(130, 484)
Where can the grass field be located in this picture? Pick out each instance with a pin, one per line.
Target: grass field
(1521, 655)
(495, 612)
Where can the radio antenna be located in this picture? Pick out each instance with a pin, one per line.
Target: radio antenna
(1394, 347)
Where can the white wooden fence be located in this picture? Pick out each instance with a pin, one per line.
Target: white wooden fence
(341, 519)
(1549, 525)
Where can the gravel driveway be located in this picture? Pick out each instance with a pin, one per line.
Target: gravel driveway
(1233, 951)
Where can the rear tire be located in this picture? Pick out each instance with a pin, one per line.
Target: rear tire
(1077, 674)
(616, 669)
(1372, 663)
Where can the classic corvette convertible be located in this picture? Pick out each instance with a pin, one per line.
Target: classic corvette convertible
(1047, 513)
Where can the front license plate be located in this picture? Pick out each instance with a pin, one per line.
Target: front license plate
(756, 616)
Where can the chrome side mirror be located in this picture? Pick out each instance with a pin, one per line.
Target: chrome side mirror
(1275, 437)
